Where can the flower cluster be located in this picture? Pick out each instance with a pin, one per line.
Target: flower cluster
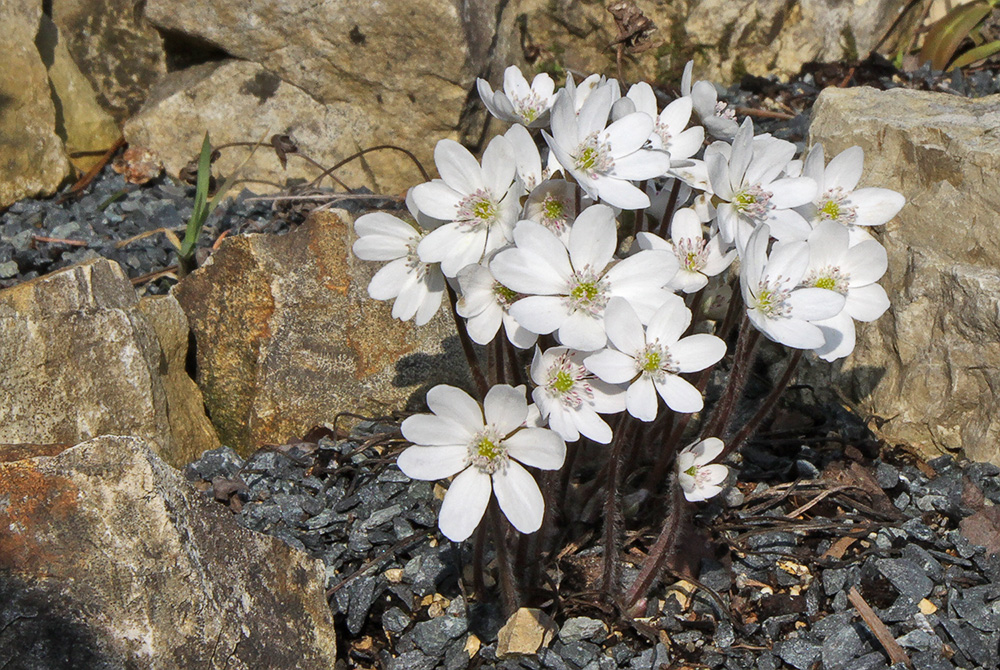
(533, 238)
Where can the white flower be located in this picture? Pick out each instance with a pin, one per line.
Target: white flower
(529, 162)
(568, 289)
(838, 199)
(417, 286)
(697, 257)
(553, 204)
(719, 120)
(481, 203)
(670, 131)
(485, 446)
(485, 304)
(852, 272)
(569, 396)
(650, 361)
(700, 480)
(776, 305)
(519, 102)
(604, 160)
(579, 93)
(748, 184)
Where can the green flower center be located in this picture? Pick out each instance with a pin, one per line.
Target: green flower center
(487, 449)
(831, 209)
(553, 209)
(692, 471)
(484, 210)
(585, 291)
(563, 381)
(505, 296)
(651, 361)
(826, 282)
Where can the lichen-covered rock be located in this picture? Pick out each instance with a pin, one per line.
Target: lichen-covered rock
(32, 162)
(109, 559)
(930, 367)
(287, 337)
(408, 67)
(726, 38)
(79, 358)
(213, 96)
(116, 48)
(82, 123)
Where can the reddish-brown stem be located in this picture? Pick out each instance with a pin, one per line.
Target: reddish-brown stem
(467, 348)
(766, 407)
(613, 512)
(738, 375)
(668, 213)
(508, 590)
(662, 548)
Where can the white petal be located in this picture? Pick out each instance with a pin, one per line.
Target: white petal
(813, 304)
(458, 168)
(628, 134)
(612, 366)
(527, 272)
(519, 498)
(669, 322)
(464, 504)
(430, 463)
(381, 223)
(865, 263)
(582, 331)
(867, 303)
(679, 394)
(436, 199)
(827, 245)
(620, 193)
(623, 327)
(687, 143)
(844, 170)
(685, 225)
(840, 337)
(483, 326)
(788, 225)
(593, 426)
(788, 261)
(499, 166)
(453, 403)
(642, 164)
(537, 447)
(706, 450)
(540, 314)
(697, 352)
(592, 239)
(792, 192)
(640, 399)
(505, 407)
(387, 282)
(380, 247)
(790, 332)
(432, 430)
(715, 474)
(875, 205)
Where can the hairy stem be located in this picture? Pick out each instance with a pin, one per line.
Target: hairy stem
(766, 407)
(742, 361)
(613, 513)
(508, 590)
(664, 546)
(467, 348)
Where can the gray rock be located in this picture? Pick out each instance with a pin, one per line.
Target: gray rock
(579, 653)
(433, 636)
(886, 475)
(798, 652)
(395, 620)
(920, 640)
(907, 576)
(582, 628)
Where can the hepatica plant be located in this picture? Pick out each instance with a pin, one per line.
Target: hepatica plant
(591, 252)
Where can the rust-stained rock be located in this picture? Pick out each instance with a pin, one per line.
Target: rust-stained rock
(287, 336)
(929, 368)
(79, 358)
(109, 559)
